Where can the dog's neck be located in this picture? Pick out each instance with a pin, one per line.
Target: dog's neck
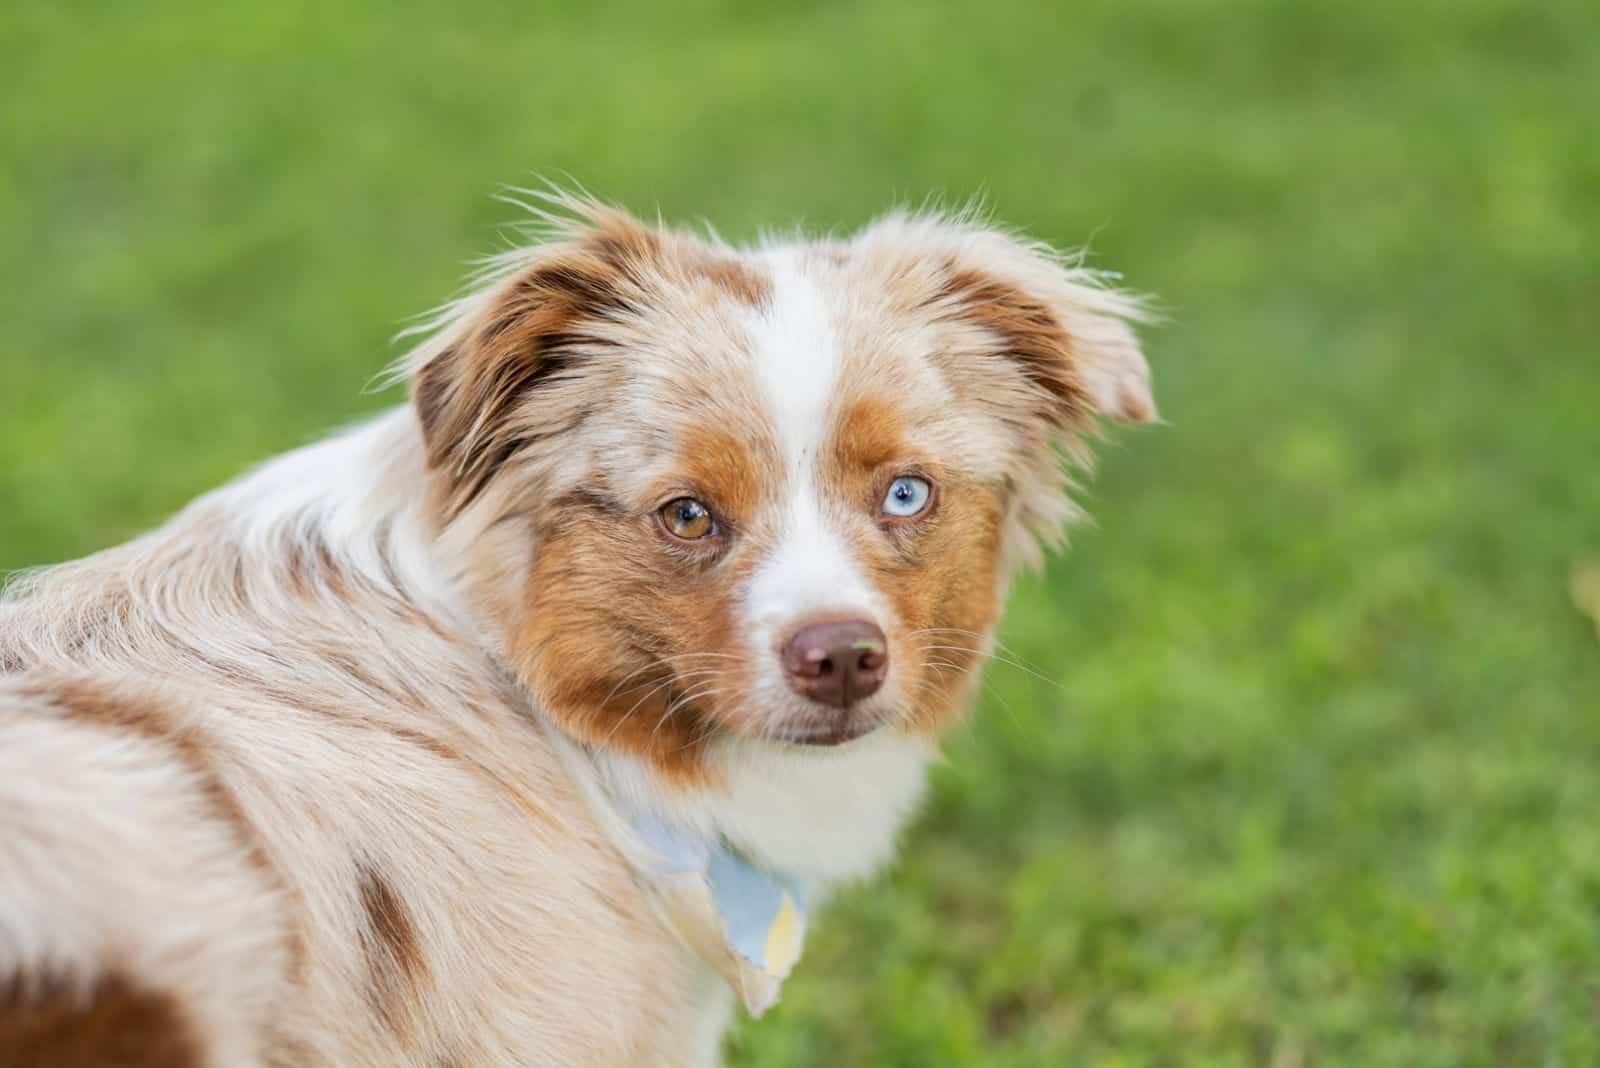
(733, 870)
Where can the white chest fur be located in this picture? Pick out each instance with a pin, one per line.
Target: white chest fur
(823, 815)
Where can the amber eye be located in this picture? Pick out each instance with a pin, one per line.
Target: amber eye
(687, 518)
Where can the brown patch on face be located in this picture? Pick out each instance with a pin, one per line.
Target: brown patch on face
(1033, 336)
(115, 1024)
(593, 643)
(395, 963)
(537, 329)
(870, 434)
(718, 464)
(631, 641)
(85, 702)
(950, 605)
(940, 571)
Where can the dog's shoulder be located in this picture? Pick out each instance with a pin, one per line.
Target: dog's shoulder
(248, 788)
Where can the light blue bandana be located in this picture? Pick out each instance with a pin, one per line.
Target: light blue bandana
(746, 923)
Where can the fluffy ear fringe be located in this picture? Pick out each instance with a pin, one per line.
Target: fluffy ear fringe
(1099, 352)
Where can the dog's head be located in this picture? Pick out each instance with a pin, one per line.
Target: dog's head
(775, 494)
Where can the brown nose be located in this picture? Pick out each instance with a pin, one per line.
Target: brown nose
(836, 663)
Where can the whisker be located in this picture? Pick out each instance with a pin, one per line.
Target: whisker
(998, 696)
(664, 661)
(629, 713)
(1021, 661)
(618, 687)
(695, 739)
(999, 659)
(684, 701)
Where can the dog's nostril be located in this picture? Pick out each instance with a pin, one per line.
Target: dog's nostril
(837, 662)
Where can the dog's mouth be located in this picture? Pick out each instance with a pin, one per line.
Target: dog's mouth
(823, 733)
(827, 739)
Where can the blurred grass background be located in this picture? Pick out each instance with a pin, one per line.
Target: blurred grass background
(1318, 782)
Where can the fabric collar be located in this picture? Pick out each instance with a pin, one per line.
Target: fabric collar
(747, 923)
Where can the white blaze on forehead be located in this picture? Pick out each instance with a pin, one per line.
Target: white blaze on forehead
(797, 357)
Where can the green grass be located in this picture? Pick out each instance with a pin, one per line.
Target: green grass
(1320, 783)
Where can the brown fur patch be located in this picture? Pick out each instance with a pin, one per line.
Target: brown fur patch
(948, 607)
(115, 1024)
(1032, 334)
(870, 434)
(310, 569)
(395, 961)
(534, 330)
(723, 467)
(632, 643)
(590, 650)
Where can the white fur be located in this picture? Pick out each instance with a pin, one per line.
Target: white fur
(823, 815)
(797, 359)
(795, 353)
(811, 570)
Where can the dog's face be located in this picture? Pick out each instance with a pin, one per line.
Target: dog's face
(774, 494)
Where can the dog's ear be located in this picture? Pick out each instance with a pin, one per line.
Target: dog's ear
(1066, 329)
(1070, 337)
(505, 371)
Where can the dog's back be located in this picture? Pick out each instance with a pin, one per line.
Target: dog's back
(141, 921)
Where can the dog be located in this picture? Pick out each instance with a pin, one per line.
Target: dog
(527, 722)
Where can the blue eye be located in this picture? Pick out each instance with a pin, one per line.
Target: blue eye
(908, 495)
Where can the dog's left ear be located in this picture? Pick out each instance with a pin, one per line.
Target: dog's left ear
(1066, 330)
(1069, 331)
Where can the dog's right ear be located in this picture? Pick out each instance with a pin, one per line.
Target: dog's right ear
(504, 373)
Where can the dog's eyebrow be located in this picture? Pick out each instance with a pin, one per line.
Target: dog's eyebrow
(597, 498)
